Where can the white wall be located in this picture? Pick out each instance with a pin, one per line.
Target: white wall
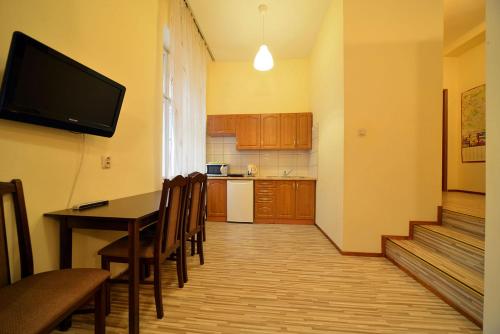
(492, 260)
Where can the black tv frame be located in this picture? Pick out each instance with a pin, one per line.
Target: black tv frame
(7, 88)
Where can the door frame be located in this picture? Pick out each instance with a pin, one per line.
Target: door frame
(444, 151)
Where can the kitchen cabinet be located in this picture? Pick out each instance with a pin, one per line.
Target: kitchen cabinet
(248, 132)
(288, 126)
(221, 125)
(304, 131)
(265, 198)
(270, 131)
(217, 200)
(305, 199)
(285, 201)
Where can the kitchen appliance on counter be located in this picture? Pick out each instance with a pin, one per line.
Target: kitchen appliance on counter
(240, 201)
(251, 170)
(217, 169)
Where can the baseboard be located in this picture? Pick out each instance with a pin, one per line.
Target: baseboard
(347, 253)
(466, 191)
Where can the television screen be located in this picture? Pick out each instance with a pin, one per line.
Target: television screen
(45, 87)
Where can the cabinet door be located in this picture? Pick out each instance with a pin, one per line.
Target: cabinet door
(216, 200)
(221, 125)
(285, 199)
(248, 132)
(304, 131)
(270, 131)
(305, 199)
(288, 133)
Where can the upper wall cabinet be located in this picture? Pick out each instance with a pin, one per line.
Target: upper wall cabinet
(266, 131)
(221, 125)
(296, 131)
(270, 131)
(248, 132)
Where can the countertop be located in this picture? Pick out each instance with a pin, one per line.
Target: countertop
(275, 178)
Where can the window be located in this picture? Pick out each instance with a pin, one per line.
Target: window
(168, 117)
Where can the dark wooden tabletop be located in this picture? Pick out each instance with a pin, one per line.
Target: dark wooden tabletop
(127, 209)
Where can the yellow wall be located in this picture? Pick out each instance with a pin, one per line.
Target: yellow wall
(237, 88)
(327, 104)
(116, 38)
(492, 254)
(461, 73)
(393, 82)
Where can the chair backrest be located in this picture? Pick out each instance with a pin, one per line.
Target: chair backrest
(171, 214)
(196, 202)
(15, 188)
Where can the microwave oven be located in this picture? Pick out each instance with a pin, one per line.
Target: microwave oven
(217, 169)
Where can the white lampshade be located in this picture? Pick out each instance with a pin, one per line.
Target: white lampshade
(263, 59)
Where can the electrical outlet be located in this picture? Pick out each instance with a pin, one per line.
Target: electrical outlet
(106, 162)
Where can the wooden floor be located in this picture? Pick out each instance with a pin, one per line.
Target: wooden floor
(469, 204)
(285, 279)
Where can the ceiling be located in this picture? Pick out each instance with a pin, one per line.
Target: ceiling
(460, 16)
(233, 28)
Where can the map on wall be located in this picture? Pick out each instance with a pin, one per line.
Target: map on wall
(474, 125)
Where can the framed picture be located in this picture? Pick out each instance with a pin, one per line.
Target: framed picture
(474, 125)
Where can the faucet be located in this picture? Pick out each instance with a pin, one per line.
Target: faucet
(285, 173)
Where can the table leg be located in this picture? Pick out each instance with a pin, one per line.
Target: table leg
(133, 289)
(65, 259)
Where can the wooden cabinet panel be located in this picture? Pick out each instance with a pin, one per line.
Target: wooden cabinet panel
(221, 125)
(304, 131)
(217, 200)
(288, 131)
(305, 199)
(248, 132)
(285, 199)
(270, 131)
(265, 200)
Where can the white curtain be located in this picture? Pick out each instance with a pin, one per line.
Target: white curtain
(188, 66)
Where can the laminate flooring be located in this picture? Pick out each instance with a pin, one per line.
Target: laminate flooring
(284, 279)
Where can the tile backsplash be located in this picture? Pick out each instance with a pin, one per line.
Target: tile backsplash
(268, 162)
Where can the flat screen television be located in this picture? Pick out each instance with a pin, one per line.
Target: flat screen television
(42, 86)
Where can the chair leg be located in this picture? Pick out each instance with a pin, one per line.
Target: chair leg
(158, 295)
(199, 240)
(107, 286)
(100, 310)
(193, 246)
(181, 278)
(184, 261)
(204, 233)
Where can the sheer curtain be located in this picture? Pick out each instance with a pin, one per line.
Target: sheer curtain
(188, 67)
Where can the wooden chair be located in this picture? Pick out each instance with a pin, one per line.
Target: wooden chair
(156, 247)
(195, 217)
(39, 302)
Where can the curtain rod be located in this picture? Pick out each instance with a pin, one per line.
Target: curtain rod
(199, 30)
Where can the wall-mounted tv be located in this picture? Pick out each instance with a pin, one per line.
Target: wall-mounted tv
(42, 86)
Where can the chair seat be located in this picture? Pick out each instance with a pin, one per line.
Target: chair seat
(36, 303)
(119, 248)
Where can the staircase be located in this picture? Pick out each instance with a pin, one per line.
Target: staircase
(447, 257)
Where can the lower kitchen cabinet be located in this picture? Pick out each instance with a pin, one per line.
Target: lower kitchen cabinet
(217, 200)
(287, 202)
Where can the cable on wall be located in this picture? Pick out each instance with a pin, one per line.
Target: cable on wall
(75, 180)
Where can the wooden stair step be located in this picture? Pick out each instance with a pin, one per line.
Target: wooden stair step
(453, 244)
(457, 235)
(462, 274)
(464, 223)
(413, 261)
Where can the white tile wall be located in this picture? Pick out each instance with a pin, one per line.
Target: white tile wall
(269, 163)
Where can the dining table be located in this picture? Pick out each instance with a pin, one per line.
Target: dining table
(129, 214)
